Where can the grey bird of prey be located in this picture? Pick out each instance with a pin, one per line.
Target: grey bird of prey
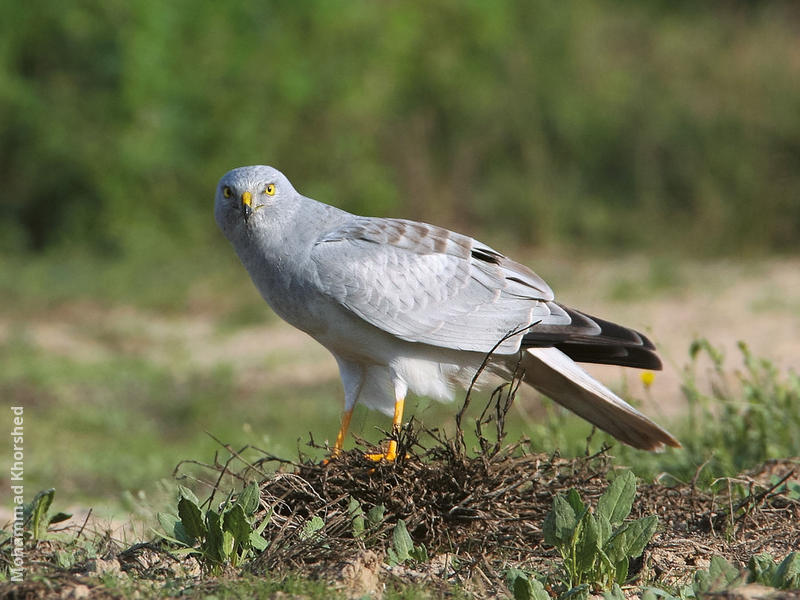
(404, 306)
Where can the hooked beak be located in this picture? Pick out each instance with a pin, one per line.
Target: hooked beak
(247, 208)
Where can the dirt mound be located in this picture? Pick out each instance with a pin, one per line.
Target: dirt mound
(470, 507)
(476, 516)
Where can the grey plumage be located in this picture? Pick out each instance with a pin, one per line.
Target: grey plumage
(405, 305)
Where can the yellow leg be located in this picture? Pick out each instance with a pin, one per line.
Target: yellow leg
(337, 447)
(391, 452)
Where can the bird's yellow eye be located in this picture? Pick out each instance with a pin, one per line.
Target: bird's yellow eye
(226, 191)
(270, 189)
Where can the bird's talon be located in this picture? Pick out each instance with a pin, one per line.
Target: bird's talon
(389, 456)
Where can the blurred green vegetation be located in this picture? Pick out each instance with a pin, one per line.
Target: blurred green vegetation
(612, 124)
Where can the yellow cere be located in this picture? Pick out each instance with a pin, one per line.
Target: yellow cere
(246, 198)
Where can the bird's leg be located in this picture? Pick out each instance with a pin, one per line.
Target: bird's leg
(391, 452)
(337, 447)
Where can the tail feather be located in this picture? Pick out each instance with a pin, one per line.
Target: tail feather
(555, 374)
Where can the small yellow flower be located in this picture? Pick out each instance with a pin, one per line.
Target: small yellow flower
(647, 378)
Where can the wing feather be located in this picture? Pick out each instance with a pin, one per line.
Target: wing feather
(426, 284)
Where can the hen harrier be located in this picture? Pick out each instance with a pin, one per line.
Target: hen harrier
(405, 306)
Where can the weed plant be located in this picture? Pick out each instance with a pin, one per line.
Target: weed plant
(740, 419)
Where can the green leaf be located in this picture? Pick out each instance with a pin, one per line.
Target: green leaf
(401, 541)
(188, 494)
(258, 542)
(615, 593)
(357, 516)
(167, 522)
(419, 553)
(539, 593)
(762, 568)
(617, 500)
(180, 533)
(235, 522)
(311, 527)
(574, 499)
(173, 529)
(604, 527)
(28, 509)
(559, 524)
(391, 558)
(579, 592)
(169, 538)
(59, 517)
(621, 570)
(586, 546)
(651, 593)
(787, 575)
(722, 572)
(720, 575)
(512, 573)
(267, 518)
(638, 534)
(90, 547)
(249, 499)
(375, 515)
(35, 512)
(524, 587)
(65, 559)
(191, 517)
(617, 545)
(228, 543)
(793, 490)
(213, 547)
(702, 582)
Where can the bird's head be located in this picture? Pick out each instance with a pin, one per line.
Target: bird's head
(245, 196)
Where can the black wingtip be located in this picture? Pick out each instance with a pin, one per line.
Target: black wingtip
(623, 356)
(590, 339)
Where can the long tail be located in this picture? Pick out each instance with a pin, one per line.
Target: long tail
(555, 374)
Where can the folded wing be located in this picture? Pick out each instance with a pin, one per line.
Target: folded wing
(426, 284)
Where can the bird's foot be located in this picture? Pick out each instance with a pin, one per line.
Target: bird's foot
(335, 453)
(390, 455)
